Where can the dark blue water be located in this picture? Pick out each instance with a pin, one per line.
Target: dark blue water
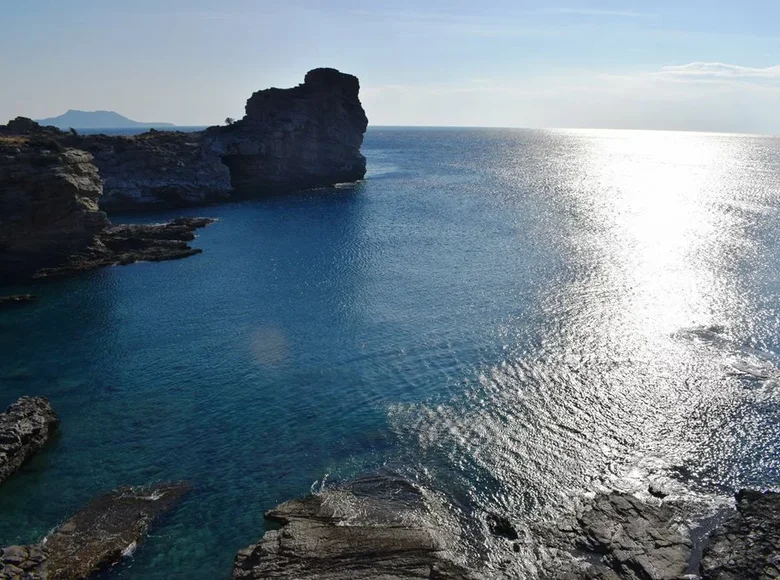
(511, 317)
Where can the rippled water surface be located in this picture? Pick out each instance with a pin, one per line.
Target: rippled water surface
(511, 317)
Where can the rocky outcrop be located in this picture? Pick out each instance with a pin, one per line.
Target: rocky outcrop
(747, 546)
(157, 169)
(25, 427)
(376, 527)
(303, 137)
(48, 204)
(636, 540)
(307, 136)
(50, 224)
(107, 530)
(125, 244)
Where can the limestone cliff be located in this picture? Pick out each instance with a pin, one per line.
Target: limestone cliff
(50, 224)
(48, 203)
(164, 169)
(307, 136)
(303, 137)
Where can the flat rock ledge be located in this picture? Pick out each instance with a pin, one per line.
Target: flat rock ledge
(99, 536)
(126, 244)
(375, 527)
(25, 427)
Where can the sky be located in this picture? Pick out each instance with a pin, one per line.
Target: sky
(677, 65)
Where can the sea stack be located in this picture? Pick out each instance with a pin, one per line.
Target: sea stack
(303, 137)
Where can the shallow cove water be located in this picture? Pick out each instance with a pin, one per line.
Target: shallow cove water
(510, 317)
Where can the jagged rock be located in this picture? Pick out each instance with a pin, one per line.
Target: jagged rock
(747, 546)
(50, 224)
(306, 136)
(638, 540)
(100, 535)
(375, 527)
(157, 169)
(303, 137)
(48, 204)
(125, 244)
(25, 427)
(16, 300)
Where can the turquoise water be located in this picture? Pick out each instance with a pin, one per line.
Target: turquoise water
(510, 317)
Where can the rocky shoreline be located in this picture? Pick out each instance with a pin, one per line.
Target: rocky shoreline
(56, 186)
(25, 427)
(385, 526)
(382, 527)
(289, 139)
(99, 536)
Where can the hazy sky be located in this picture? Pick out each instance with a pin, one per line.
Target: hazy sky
(701, 65)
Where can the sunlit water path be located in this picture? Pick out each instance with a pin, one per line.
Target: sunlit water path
(511, 317)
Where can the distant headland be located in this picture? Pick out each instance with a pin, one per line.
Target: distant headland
(75, 119)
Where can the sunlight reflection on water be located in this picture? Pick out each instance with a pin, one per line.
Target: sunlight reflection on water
(510, 318)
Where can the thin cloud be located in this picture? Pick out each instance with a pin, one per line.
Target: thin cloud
(722, 70)
(600, 13)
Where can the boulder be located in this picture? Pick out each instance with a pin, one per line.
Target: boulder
(374, 527)
(25, 427)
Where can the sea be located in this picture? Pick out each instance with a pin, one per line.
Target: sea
(510, 318)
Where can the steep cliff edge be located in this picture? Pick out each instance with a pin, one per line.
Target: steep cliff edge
(50, 224)
(306, 136)
(298, 138)
(157, 169)
(48, 203)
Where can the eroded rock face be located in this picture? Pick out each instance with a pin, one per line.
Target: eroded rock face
(376, 527)
(100, 535)
(25, 427)
(306, 136)
(638, 540)
(48, 204)
(157, 169)
(303, 137)
(748, 545)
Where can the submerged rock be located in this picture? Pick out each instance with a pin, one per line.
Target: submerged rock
(25, 427)
(501, 526)
(747, 546)
(375, 527)
(17, 300)
(99, 536)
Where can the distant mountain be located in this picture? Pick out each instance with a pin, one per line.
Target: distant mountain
(96, 120)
